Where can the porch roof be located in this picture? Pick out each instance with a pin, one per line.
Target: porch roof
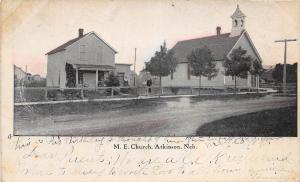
(94, 67)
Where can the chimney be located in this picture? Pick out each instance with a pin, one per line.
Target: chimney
(218, 30)
(80, 32)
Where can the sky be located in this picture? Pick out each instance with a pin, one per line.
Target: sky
(32, 28)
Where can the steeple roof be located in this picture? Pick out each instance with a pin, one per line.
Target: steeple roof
(238, 13)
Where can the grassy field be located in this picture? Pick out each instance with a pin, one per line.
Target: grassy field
(268, 123)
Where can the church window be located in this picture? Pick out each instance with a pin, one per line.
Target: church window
(235, 23)
(188, 71)
(242, 23)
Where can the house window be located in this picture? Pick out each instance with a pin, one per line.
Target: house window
(188, 71)
(83, 53)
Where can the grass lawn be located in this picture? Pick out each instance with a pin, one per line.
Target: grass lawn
(268, 123)
(95, 106)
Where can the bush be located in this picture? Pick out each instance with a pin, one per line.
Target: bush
(112, 81)
(70, 75)
(174, 90)
(72, 94)
(35, 83)
(125, 90)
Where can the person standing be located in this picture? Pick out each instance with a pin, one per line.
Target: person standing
(149, 84)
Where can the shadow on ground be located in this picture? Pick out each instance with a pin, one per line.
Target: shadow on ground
(268, 123)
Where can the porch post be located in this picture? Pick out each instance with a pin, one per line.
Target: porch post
(224, 85)
(96, 78)
(249, 79)
(76, 77)
(257, 81)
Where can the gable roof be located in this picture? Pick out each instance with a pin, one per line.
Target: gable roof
(245, 33)
(18, 68)
(220, 45)
(63, 46)
(252, 45)
(70, 42)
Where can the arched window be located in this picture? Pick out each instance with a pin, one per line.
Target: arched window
(242, 23)
(189, 71)
(235, 23)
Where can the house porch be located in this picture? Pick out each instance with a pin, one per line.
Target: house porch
(92, 75)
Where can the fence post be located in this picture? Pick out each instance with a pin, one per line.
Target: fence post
(112, 91)
(21, 94)
(81, 93)
(192, 91)
(46, 94)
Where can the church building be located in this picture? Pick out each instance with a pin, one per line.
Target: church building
(221, 45)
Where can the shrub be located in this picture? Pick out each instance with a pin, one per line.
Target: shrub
(112, 81)
(70, 75)
(174, 90)
(35, 83)
(72, 94)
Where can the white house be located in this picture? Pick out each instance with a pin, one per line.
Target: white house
(221, 45)
(37, 77)
(124, 74)
(19, 73)
(91, 59)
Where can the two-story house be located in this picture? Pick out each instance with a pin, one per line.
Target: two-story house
(90, 57)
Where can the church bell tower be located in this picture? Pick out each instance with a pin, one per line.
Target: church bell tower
(238, 22)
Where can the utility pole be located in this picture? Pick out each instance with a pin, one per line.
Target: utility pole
(134, 79)
(284, 65)
(26, 76)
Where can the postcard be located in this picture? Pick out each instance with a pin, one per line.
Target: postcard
(175, 90)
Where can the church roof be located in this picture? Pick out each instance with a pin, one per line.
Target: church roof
(219, 45)
(238, 13)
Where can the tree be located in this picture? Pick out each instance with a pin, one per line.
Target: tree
(162, 63)
(70, 75)
(277, 73)
(256, 69)
(238, 64)
(291, 73)
(202, 63)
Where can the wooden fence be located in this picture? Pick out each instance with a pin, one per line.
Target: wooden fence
(34, 94)
(291, 88)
